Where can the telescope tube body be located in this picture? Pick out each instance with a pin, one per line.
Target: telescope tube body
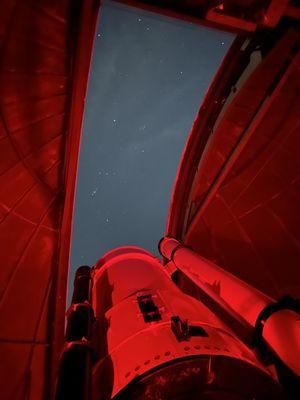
(155, 342)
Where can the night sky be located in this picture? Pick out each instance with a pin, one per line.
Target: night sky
(149, 74)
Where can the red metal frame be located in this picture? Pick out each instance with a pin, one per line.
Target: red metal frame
(82, 61)
(203, 207)
(43, 87)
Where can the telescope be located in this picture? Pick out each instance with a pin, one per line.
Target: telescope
(216, 316)
(138, 329)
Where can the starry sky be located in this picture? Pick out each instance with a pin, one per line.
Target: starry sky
(148, 77)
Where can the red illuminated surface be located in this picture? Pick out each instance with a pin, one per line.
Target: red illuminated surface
(235, 200)
(42, 85)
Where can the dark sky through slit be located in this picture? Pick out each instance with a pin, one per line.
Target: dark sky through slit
(149, 74)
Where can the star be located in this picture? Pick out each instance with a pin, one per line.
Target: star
(94, 192)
